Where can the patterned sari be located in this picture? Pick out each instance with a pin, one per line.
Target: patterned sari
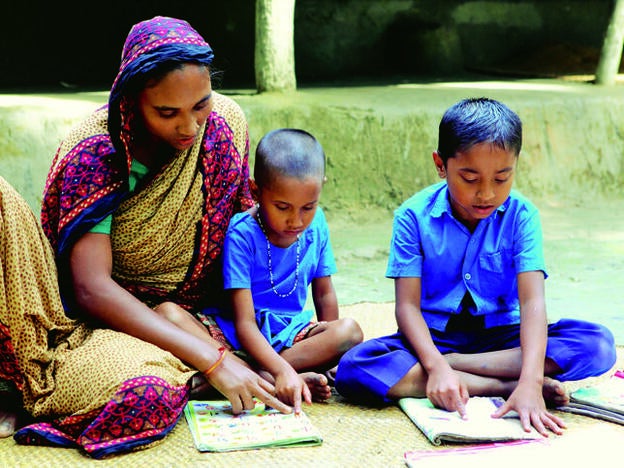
(97, 389)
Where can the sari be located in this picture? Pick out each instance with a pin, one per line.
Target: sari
(96, 389)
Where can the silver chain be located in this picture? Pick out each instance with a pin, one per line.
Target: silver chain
(270, 262)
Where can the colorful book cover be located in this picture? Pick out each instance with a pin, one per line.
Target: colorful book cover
(604, 400)
(216, 429)
(441, 426)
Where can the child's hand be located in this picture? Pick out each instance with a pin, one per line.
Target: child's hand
(445, 389)
(290, 388)
(527, 400)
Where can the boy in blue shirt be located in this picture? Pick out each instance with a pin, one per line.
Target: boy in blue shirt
(271, 255)
(466, 257)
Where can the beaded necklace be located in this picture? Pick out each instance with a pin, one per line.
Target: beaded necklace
(268, 247)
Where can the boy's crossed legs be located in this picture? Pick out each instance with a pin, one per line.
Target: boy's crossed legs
(323, 346)
(384, 369)
(493, 373)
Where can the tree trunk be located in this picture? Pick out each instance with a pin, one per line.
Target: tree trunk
(611, 54)
(274, 57)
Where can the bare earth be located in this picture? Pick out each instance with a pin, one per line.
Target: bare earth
(584, 249)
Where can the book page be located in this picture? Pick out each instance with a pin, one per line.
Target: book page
(215, 428)
(445, 426)
(607, 395)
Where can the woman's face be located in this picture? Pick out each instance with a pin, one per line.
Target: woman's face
(175, 108)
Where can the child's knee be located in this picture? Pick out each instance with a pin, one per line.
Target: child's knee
(590, 353)
(350, 333)
(604, 355)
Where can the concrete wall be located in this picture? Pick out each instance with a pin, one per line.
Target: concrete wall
(378, 140)
(56, 44)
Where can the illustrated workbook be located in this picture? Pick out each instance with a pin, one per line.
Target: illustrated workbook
(478, 427)
(216, 429)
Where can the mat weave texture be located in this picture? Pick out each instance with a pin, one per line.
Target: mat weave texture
(353, 436)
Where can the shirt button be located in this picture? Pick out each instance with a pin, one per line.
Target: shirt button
(467, 276)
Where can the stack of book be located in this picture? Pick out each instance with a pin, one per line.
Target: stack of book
(604, 400)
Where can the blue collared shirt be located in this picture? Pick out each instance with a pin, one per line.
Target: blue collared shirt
(428, 242)
(246, 266)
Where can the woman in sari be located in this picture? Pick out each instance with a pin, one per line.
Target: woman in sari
(135, 209)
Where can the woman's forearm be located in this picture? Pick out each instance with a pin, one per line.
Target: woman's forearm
(100, 297)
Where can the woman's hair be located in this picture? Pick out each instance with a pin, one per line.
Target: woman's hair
(288, 152)
(478, 120)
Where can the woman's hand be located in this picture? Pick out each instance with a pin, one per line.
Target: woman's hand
(239, 384)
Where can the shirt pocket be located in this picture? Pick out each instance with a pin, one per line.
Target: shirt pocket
(496, 274)
(492, 262)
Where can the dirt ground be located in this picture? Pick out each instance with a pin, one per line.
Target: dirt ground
(584, 249)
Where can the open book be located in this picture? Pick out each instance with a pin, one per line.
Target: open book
(479, 427)
(216, 429)
(604, 400)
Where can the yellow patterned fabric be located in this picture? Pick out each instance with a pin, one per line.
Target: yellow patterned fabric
(63, 368)
(29, 300)
(168, 235)
(153, 233)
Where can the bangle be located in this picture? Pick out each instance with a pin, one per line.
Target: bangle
(219, 360)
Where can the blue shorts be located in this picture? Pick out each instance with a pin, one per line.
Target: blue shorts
(367, 371)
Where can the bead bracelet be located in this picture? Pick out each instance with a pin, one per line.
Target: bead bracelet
(222, 351)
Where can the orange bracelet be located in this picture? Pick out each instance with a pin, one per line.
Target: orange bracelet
(222, 351)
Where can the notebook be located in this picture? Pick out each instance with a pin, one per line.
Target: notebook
(440, 426)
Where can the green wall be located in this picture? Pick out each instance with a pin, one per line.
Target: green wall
(378, 140)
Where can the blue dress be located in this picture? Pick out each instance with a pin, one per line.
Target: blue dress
(245, 266)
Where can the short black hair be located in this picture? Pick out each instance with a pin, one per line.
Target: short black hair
(478, 120)
(289, 152)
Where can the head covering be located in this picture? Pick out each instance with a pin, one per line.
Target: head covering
(88, 180)
(153, 42)
(149, 45)
(89, 177)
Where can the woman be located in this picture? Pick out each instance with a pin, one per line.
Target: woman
(135, 208)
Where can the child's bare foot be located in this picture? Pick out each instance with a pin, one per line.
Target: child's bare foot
(331, 376)
(554, 392)
(317, 383)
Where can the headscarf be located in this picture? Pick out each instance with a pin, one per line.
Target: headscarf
(83, 190)
(88, 179)
(148, 45)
